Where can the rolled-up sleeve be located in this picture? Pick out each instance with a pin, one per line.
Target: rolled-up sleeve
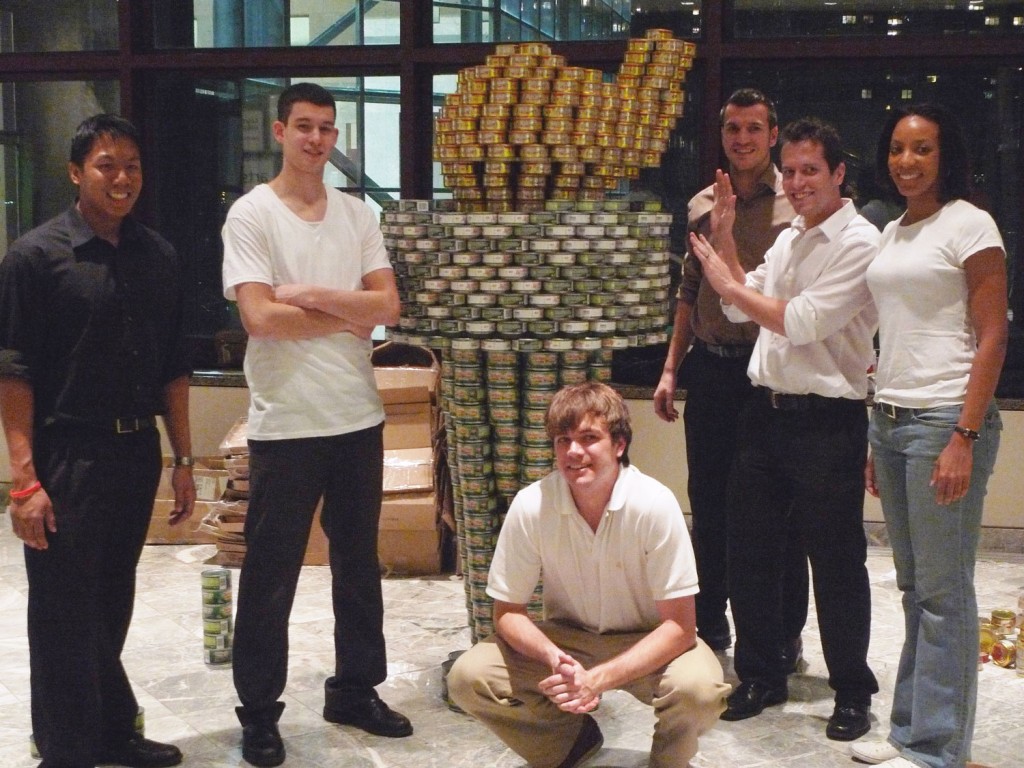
(18, 324)
(831, 302)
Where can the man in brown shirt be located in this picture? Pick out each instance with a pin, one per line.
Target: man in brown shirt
(715, 373)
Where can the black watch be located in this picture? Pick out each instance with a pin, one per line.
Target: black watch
(970, 434)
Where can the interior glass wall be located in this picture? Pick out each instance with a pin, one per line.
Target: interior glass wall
(27, 26)
(272, 23)
(492, 21)
(37, 121)
(848, 18)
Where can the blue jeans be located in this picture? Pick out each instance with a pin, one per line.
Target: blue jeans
(933, 548)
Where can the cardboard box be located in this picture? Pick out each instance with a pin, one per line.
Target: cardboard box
(407, 385)
(316, 547)
(408, 425)
(410, 542)
(409, 395)
(209, 474)
(408, 469)
(162, 532)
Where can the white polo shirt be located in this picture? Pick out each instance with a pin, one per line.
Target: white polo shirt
(603, 581)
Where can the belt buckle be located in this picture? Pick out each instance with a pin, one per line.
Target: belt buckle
(126, 426)
(888, 409)
(773, 398)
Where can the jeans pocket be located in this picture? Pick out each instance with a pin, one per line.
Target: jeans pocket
(944, 417)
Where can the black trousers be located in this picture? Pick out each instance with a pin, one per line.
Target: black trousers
(82, 588)
(287, 479)
(717, 390)
(802, 469)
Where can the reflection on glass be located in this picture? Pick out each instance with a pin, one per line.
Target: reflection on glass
(779, 18)
(85, 25)
(271, 23)
(494, 21)
(37, 121)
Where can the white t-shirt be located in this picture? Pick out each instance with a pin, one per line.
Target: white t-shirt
(603, 581)
(918, 281)
(830, 319)
(310, 387)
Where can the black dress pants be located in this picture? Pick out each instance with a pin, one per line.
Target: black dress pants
(717, 390)
(82, 588)
(287, 479)
(802, 468)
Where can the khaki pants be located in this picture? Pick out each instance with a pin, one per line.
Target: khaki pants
(499, 687)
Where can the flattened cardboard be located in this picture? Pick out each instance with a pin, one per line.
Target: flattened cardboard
(161, 531)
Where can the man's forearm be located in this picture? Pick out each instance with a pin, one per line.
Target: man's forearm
(17, 410)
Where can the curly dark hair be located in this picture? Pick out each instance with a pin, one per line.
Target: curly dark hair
(954, 162)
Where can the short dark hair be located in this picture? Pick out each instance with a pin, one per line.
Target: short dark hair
(749, 97)
(954, 162)
(309, 92)
(90, 129)
(818, 131)
(592, 398)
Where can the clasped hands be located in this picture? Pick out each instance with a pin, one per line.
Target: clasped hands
(571, 687)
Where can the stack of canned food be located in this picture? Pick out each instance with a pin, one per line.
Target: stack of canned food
(517, 305)
(575, 276)
(217, 616)
(524, 127)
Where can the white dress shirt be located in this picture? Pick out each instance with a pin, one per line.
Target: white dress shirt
(830, 318)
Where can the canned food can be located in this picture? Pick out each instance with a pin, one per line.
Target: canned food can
(217, 657)
(216, 596)
(217, 626)
(216, 578)
(216, 642)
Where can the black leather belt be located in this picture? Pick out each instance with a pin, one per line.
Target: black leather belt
(130, 424)
(726, 350)
(781, 401)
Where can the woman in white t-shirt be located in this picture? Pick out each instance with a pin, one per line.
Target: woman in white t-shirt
(939, 282)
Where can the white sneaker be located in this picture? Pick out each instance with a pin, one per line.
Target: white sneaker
(898, 762)
(875, 752)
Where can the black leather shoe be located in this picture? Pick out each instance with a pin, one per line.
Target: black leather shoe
(792, 655)
(368, 713)
(587, 744)
(848, 722)
(751, 698)
(138, 752)
(261, 740)
(262, 745)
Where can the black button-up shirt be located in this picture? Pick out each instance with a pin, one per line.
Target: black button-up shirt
(97, 329)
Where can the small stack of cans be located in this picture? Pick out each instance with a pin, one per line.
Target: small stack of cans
(217, 616)
(525, 127)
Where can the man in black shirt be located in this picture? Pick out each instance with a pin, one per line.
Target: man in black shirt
(91, 350)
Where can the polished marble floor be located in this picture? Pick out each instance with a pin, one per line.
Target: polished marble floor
(192, 705)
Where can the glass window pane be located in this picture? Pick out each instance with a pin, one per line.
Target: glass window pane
(784, 18)
(37, 121)
(85, 25)
(271, 23)
(492, 21)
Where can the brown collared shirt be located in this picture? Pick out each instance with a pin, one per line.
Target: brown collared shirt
(759, 220)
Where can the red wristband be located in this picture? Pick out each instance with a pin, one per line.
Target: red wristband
(24, 493)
